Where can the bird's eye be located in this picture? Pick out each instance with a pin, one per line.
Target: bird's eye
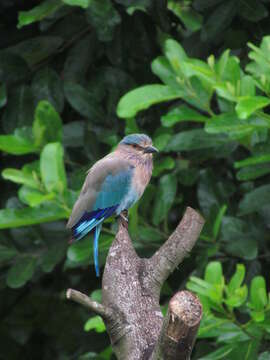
(135, 146)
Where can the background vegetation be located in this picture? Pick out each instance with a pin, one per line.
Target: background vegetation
(67, 68)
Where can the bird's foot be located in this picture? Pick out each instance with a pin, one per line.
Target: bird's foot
(124, 218)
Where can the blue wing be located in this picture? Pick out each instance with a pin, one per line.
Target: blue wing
(112, 192)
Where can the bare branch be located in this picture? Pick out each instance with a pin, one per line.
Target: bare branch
(173, 251)
(179, 328)
(130, 297)
(84, 300)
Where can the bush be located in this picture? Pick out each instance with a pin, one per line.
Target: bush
(76, 75)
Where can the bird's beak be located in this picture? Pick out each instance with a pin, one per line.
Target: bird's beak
(150, 149)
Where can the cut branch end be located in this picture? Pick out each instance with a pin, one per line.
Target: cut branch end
(179, 328)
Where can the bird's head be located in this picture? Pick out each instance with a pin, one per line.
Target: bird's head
(139, 144)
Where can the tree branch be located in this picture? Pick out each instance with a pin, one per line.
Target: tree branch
(173, 251)
(84, 300)
(179, 328)
(130, 297)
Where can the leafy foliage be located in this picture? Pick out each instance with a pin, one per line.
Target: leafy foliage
(237, 317)
(77, 75)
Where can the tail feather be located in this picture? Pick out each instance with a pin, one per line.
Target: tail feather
(89, 221)
(96, 237)
(92, 221)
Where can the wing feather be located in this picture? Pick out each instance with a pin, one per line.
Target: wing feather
(106, 184)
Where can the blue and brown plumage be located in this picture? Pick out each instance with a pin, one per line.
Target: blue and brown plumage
(113, 184)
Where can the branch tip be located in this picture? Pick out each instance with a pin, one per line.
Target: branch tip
(179, 328)
(85, 301)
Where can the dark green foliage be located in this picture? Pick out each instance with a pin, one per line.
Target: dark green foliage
(75, 77)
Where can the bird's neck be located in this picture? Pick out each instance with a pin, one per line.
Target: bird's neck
(136, 158)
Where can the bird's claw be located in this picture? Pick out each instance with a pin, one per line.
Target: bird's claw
(124, 218)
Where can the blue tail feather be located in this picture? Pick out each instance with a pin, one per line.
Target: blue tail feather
(88, 222)
(96, 237)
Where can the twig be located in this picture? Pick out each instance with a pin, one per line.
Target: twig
(84, 300)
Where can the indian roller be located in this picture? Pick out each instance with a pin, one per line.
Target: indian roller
(113, 184)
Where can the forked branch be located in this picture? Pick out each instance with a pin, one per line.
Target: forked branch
(130, 297)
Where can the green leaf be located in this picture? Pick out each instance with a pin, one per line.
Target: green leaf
(212, 192)
(202, 70)
(75, 66)
(83, 102)
(248, 86)
(199, 286)
(224, 13)
(38, 13)
(246, 350)
(194, 140)
(221, 353)
(199, 94)
(264, 356)
(166, 163)
(191, 19)
(237, 278)
(212, 326)
(82, 3)
(47, 85)
(96, 295)
(165, 197)
(218, 220)
(258, 294)
(52, 168)
(47, 125)
(19, 111)
(162, 68)
(20, 177)
(53, 256)
(147, 234)
(95, 323)
(255, 200)
(239, 238)
(104, 18)
(144, 97)
(182, 113)
(13, 67)
(213, 273)
(3, 95)
(238, 297)
(253, 160)
(36, 49)
(7, 253)
(175, 54)
(83, 250)
(252, 11)
(252, 172)
(33, 197)
(247, 105)
(21, 272)
(230, 124)
(17, 144)
(222, 64)
(12, 218)
(161, 140)
(260, 66)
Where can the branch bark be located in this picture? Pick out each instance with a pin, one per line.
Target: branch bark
(179, 328)
(130, 297)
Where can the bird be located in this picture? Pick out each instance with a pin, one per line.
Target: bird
(112, 186)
